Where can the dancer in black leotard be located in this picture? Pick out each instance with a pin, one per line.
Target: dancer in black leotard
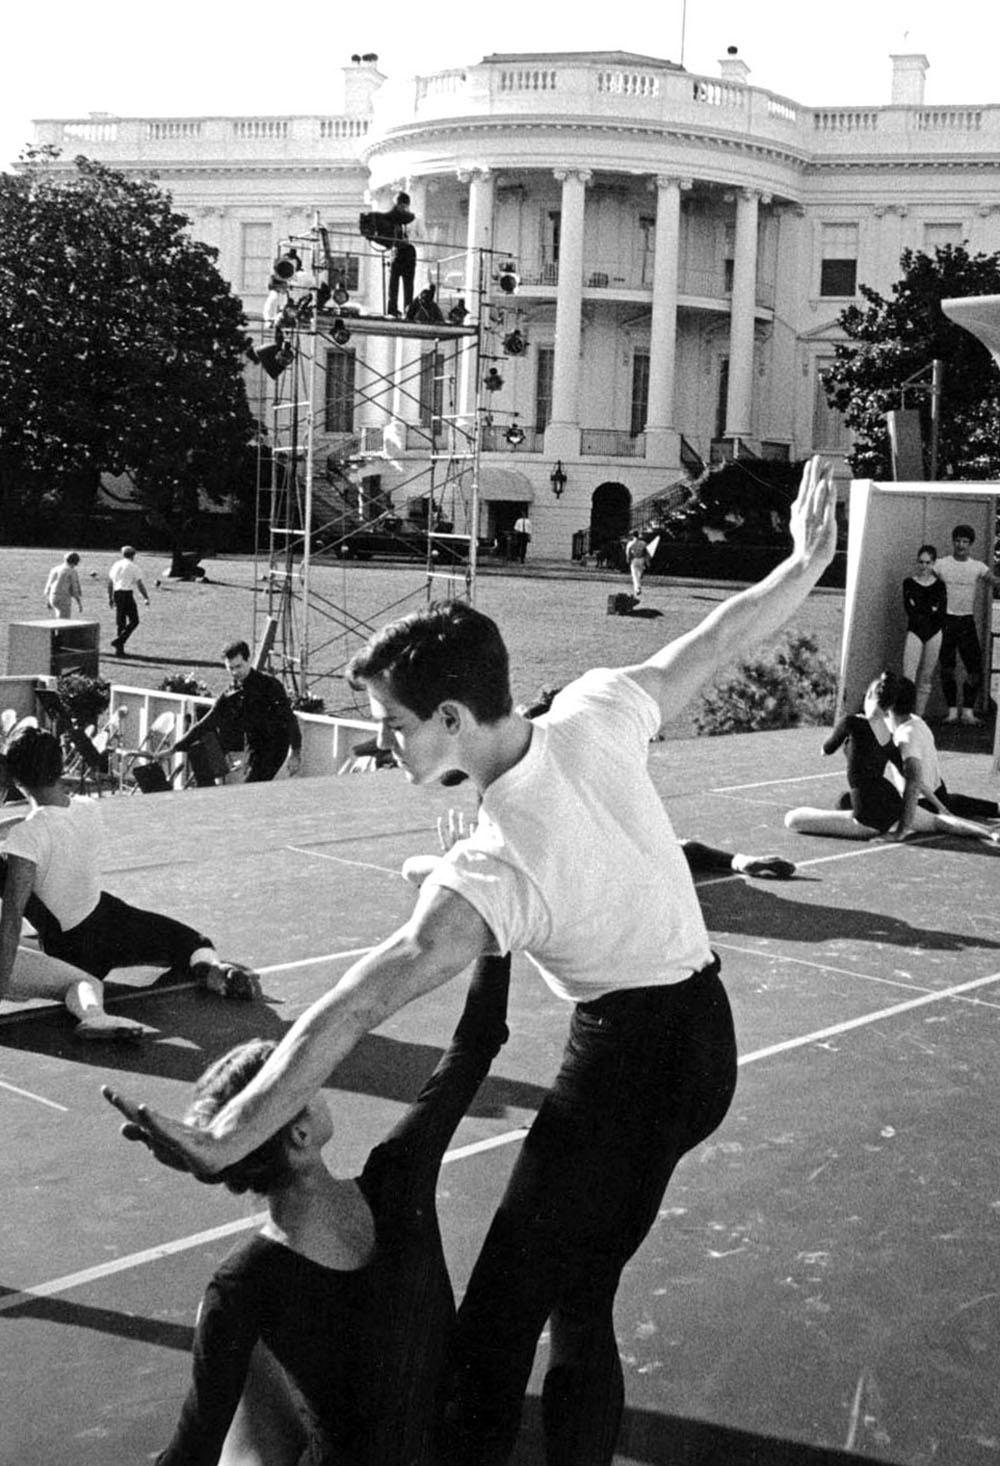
(345, 1284)
(925, 600)
(876, 800)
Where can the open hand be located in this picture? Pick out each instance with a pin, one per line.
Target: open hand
(174, 1144)
(813, 522)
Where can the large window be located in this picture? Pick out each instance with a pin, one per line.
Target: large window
(640, 393)
(256, 258)
(838, 270)
(340, 391)
(544, 364)
(937, 236)
(830, 432)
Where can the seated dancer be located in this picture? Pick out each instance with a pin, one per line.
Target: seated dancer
(919, 755)
(53, 877)
(876, 806)
(345, 1285)
(35, 975)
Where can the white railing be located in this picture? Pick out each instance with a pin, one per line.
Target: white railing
(528, 79)
(170, 129)
(628, 83)
(846, 119)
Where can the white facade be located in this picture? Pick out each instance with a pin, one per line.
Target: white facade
(685, 244)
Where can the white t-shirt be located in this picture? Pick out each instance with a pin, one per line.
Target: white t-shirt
(915, 740)
(124, 575)
(573, 859)
(65, 844)
(962, 578)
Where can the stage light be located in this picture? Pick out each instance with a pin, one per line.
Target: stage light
(341, 294)
(458, 312)
(514, 344)
(275, 359)
(340, 333)
(493, 381)
(508, 279)
(514, 435)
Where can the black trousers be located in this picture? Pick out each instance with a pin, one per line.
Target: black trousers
(118, 935)
(646, 1075)
(960, 639)
(126, 615)
(402, 272)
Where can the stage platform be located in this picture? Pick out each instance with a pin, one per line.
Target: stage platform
(822, 1282)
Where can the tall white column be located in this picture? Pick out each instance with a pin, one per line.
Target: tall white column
(739, 400)
(478, 236)
(562, 438)
(661, 439)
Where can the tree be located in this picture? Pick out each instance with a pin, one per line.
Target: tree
(892, 339)
(121, 349)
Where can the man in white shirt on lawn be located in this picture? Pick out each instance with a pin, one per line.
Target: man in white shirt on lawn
(123, 582)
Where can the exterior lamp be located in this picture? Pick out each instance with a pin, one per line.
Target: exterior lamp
(515, 435)
(557, 478)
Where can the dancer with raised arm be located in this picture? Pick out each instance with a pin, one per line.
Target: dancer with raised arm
(574, 862)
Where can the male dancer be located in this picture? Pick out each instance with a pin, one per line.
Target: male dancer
(964, 576)
(573, 861)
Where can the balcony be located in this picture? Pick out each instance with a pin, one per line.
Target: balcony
(158, 139)
(693, 283)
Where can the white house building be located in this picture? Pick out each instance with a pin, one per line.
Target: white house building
(684, 246)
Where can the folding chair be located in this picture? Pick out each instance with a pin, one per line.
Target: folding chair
(138, 764)
(86, 759)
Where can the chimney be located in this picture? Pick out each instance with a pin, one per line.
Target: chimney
(361, 80)
(731, 68)
(909, 73)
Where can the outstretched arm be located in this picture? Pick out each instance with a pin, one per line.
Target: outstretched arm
(673, 676)
(442, 937)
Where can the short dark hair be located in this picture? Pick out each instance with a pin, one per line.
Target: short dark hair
(265, 1169)
(72, 558)
(34, 759)
(895, 694)
(448, 651)
(236, 649)
(964, 532)
(927, 550)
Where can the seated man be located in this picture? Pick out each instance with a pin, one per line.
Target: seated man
(53, 877)
(921, 769)
(255, 710)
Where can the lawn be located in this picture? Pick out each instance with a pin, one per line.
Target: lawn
(555, 623)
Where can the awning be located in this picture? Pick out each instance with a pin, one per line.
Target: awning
(504, 484)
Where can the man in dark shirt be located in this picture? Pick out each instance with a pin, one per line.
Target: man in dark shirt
(254, 711)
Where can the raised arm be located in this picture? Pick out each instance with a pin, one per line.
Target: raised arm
(442, 937)
(673, 676)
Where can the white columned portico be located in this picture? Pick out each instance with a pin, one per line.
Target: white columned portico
(661, 437)
(562, 437)
(739, 400)
(478, 236)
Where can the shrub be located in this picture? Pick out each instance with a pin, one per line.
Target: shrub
(792, 687)
(85, 698)
(186, 683)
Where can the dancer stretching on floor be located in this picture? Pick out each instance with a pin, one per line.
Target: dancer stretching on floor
(53, 877)
(876, 803)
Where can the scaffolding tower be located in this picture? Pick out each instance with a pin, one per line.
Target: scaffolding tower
(418, 384)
